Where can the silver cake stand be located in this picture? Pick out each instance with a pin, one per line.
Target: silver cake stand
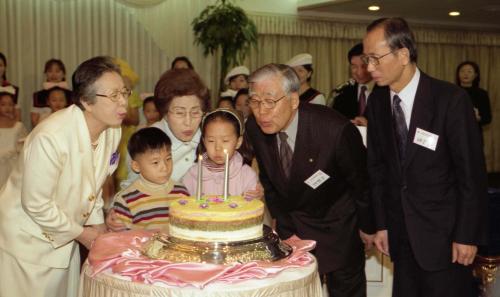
(266, 248)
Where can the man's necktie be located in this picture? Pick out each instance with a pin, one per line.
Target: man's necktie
(400, 128)
(362, 101)
(285, 153)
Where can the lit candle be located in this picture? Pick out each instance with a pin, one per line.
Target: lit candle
(226, 174)
(198, 186)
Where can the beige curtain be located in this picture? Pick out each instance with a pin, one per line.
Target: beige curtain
(34, 31)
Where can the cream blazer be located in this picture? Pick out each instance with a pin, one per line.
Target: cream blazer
(55, 189)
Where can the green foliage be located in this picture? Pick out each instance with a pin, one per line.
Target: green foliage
(227, 27)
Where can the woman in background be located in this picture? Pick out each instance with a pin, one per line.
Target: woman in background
(468, 77)
(11, 134)
(302, 64)
(6, 86)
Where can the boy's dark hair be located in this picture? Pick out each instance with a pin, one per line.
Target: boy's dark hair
(147, 139)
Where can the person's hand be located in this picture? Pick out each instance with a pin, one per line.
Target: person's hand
(258, 193)
(463, 253)
(360, 121)
(381, 241)
(113, 223)
(476, 113)
(88, 236)
(367, 239)
(101, 228)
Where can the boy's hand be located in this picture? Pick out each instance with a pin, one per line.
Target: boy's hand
(113, 223)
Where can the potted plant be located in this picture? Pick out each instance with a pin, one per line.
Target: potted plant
(227, 27)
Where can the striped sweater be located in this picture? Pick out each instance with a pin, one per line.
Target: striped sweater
(144, 205)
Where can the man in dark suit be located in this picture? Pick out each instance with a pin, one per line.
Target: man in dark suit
(351, 98)
(312, 167)
(426, 168)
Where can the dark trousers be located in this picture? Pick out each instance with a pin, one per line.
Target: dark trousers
(347, 282)
(412, 281)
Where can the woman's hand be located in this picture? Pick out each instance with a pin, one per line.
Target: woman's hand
(88, 236)
(113, 223)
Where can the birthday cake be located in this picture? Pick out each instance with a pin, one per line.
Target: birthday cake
(212, 219)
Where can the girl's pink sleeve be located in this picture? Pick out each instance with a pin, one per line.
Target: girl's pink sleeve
(189, 180)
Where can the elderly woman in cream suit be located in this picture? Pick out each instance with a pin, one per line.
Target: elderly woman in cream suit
(53, 197)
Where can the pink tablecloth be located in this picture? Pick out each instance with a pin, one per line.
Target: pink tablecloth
(120, 254)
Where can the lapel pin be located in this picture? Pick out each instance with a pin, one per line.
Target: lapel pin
(311, 160)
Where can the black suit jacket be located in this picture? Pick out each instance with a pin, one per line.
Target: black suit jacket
(435, 197)
(332, 213)
(346, 101)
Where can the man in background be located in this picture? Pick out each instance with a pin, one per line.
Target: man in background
(351, 98)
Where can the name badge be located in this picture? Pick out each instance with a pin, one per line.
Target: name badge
(317, 179)
(426, 139)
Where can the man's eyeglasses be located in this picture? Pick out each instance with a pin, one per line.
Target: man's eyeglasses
(268, 103)
(180, 112)
(115, 96)
(374, 60)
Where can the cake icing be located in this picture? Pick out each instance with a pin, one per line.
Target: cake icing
(213, 219)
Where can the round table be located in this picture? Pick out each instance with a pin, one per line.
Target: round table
(293, 282)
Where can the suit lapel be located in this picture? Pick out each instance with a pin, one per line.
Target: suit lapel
(304, 155)
(422, 114)
(85, 148)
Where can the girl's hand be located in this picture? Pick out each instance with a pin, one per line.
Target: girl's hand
(258, 193)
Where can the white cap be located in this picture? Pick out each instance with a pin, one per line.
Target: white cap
(238, 70)
(300, 59)
(228, 93)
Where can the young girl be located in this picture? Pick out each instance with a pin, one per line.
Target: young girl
(150, 112)
(57, 99)
(222, 129)
(6, 86)
(11, 132)
(241, 103)
(55, 75)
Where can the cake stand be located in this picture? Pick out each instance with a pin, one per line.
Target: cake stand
(269, 247)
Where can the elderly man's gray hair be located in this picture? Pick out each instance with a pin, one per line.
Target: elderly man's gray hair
(290, 80)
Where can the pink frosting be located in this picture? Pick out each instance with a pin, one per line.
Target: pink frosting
(121, 252)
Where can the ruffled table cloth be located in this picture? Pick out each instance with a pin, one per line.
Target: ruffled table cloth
(117, 268)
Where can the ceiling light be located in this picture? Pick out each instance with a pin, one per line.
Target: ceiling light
(454, 13)
(374, 8)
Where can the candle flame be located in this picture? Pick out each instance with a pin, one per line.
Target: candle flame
(225, 151)
(200, 157)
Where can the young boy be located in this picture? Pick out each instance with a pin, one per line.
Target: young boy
(145, 203)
